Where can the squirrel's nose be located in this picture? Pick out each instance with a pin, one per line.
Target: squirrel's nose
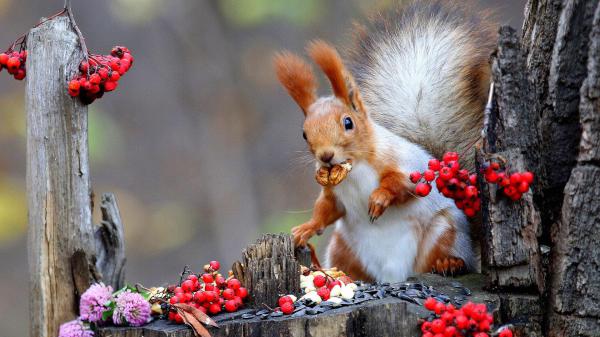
(326, 156)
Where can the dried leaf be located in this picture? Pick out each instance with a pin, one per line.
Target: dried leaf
(199, 315)
(197, 327)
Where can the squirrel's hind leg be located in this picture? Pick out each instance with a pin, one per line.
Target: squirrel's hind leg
(441, 250)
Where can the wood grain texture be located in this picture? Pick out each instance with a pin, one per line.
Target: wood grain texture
(510, 250)
(58, 181)
(271, 269)
(110, 243)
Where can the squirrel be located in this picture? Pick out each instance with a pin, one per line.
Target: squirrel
(415, 87)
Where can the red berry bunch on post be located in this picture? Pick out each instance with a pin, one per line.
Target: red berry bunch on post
(513, 185)
(459, 184)
(100, 74)
(210, 292)
(472, 320)
(14, 63)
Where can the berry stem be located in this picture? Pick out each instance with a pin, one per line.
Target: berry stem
(84, 48)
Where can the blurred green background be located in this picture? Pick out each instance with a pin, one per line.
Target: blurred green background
(200, 144)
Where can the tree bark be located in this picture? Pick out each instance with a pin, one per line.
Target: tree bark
(271, 269)
(58, 181)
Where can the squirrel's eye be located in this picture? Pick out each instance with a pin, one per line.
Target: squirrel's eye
(304, 135)
(348, 125)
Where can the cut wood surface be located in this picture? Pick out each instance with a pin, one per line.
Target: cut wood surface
(390, 316)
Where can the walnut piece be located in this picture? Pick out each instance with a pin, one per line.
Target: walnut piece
(334, 175)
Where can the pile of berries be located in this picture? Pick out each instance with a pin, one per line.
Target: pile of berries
(100, 74)
(324, 285)
(461, 185)
(210, 292)
(472, 320)
(14, 62)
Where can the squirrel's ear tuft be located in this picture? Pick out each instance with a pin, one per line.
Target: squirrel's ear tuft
(297, 77)
(331, 63)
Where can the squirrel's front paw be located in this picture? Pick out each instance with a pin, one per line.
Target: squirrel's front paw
(303, 233)
(379, 201)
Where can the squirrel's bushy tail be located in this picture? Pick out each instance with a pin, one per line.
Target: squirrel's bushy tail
(423, 70)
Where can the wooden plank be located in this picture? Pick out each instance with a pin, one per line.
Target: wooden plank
(58, 180)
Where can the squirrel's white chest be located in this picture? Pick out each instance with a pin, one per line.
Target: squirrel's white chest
(386, 248)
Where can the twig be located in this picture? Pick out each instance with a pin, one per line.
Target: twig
(69, 11)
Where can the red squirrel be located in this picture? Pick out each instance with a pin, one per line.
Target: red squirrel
(417, 88)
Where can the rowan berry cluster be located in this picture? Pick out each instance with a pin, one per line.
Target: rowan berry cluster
(459, 184)
(472, 320)
(14, 63)
(210, 292)
(100, 74)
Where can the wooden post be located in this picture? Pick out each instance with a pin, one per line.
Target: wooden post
(58, 180)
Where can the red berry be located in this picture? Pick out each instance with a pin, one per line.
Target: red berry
(207, 278)
(228, 294)
(220, 282)
(428, 334)
(174, 300)
(515, 179)
(523, 187)
(333, 284)
(319, 281)
(214, 308)
(470, 212)
(429, 175)
(527, 177)
(471, 191)
(324, 293)
(284, 299)
(3, 59)
(454, 166)
(415, 177)
(241, 292)
(447, 317)
(484, 326)
(95, 79)
(178, 318)
(491, 176)
(445, 173)
(422, 189)
(238, 300)
(426, 326)
(439, 308)
(450, 156)
(214, 265)
(231, 306)
(434, 165)
(438, 326)
(287, 308)
(199, 297)
(473, 179)
(187, 286)
(13, 64)
(494, 166)
(209, 287)
(430, 303)
(211, 296)
(480, 334)
(505, 333)
(450, 331)
(462, 322)
(234, 284)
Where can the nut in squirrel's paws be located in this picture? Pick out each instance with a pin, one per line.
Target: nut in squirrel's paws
(331, 176)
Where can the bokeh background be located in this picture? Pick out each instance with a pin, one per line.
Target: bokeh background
(200, 144)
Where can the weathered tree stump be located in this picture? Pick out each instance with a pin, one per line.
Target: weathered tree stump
(58, 180)
(271, 269)
(66, 251)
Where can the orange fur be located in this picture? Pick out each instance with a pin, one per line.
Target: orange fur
(393, 189)
(342, 257)
(324, 214)
(438, 258)
(297, 77)
(331, 63)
